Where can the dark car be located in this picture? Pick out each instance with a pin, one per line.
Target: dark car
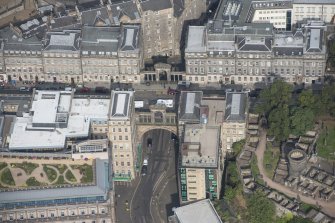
(101, 90)
(149, 142)
(144, 170)
(84, 90)
(174, 137)
(171, 91)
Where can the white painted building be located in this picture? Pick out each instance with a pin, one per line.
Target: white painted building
(313, 9)
(54, 117)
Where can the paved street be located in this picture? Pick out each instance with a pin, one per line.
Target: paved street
(160, 177)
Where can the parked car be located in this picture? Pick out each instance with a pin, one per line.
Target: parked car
(84, 90)
(171, 91)
(144, 170)
(102, 90)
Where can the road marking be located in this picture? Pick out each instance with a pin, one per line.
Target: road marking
(132, 198)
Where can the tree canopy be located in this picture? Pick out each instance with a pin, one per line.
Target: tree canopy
(275, 105)
(326, 103)
(287, 115)
(260, 208)
(277, 95)
(301, 120)
(307, 99)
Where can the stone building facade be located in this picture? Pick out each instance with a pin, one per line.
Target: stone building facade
(234, 124)
(99, 53)
(121, 134)
(61, 57)
(130, 55)
(313, 9)
(162, 23)
(90, 212)
(250, 54)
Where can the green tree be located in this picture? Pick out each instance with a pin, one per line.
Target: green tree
(301, 120)
(297, 219)
(325, 102)
(277, 95)
(237, 147)
(260, 209)
(307, 99)
(279, 122)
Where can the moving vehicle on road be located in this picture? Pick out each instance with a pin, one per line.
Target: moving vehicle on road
(144, 170)
(149, 142)
(145, 162)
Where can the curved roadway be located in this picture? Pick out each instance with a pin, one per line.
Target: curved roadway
(143, 202)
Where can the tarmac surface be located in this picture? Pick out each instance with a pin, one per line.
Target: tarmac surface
(150, 198)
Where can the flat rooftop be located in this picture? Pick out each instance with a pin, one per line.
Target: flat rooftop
(200, 147)
(25, 137)
(199, 212)
(215, 110)
(46, 103)
(58, 116)
(196, 39)
(93, 108)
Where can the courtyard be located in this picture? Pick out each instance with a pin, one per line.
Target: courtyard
(21, 173)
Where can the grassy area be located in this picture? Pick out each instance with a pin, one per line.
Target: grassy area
(26, 166)
(233, 194)
(270, 160)
(7, 178)
(60, 180)
(69, 175)
(255, 170)
(60, 167)
(32, 182)
(238, 146)
(86, 171)
(2, 165)
(326, 141)
(307, 207)
(222, 211)
(51, 173)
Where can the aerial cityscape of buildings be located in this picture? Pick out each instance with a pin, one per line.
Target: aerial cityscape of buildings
(88, 86)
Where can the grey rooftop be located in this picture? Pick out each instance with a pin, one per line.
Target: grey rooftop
(236, 103)
(100, 39)
(189, 106)
(124, 8)
(63, 41)
(130, 38)
(155, 5)
(93, 17)
(121, 105)
(198, 212)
